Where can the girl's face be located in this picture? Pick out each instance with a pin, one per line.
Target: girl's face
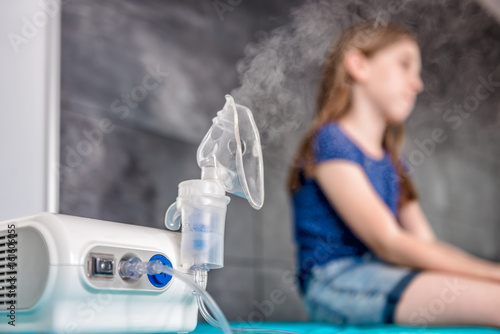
(393, 79)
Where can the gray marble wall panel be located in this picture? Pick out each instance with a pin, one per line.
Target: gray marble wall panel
(124, 175)
(110, 47)
(157, 71)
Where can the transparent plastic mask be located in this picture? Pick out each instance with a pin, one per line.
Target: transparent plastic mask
(232, 147)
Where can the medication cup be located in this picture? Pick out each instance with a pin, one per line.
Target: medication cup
(202, 205)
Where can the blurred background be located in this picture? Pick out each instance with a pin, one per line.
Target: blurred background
(106, 102)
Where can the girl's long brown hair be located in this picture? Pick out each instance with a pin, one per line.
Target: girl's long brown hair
(335, 98)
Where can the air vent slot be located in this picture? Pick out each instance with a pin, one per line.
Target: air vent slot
(5, 272)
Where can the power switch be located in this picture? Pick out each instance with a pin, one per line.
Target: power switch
(101, 265)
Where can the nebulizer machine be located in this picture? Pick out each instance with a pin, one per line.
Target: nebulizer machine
(67, 274)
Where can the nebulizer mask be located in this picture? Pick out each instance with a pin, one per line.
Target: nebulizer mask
(230, 158)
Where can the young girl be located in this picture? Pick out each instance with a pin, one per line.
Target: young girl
(367, 254)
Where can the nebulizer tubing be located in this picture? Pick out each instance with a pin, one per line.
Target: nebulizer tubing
(134, 268)
(206, 315)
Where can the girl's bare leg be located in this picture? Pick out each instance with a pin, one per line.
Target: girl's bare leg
(443, 299)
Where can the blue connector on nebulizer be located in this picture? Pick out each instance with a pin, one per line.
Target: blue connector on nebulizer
(133, 268)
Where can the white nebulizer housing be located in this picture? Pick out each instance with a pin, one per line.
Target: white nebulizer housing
(230, 158)
(60, 274)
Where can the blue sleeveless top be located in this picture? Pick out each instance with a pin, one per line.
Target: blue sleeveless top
(320, 233)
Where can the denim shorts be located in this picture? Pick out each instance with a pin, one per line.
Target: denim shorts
(356, 290)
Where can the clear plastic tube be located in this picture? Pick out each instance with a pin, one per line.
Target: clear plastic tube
(134, 268)
(206, 315)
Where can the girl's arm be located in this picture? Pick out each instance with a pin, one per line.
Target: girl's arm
(412, 219)
(350, 192)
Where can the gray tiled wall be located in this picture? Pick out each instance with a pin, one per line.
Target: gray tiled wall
(131, 173)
